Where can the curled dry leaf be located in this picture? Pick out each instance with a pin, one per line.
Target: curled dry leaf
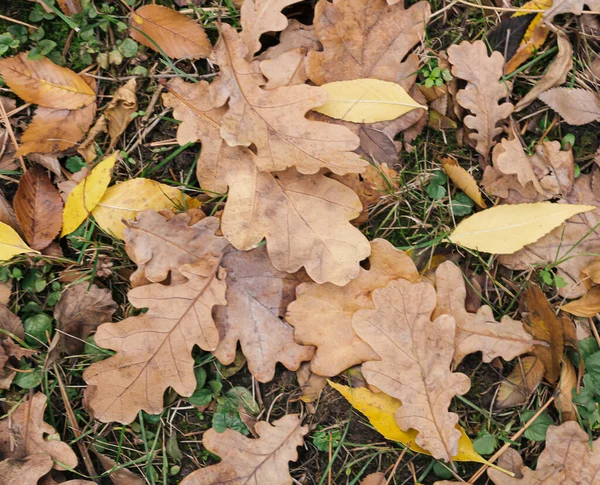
(304, 218)
(420, 374)
(274, 121)
(322, 314)
(11, 243)
(556, 74)
(10, 325)
(566, 386)
(569, 6)
(576, 106)
(7, 214)
(285, 70)
(257, 296)
(162, 28)
(23, 434)
(38, 208)
(121, 476)
(44, 83)
(160, 246)
(592, 271)
(520, 383)
(463, 180)
(124, 201)
(263, 460)
(483, 91)
(476, 331)
(586, 306)
(311, 384)
(120, 110)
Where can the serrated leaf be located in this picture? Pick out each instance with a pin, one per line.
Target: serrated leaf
(507, 228)
(11, 243)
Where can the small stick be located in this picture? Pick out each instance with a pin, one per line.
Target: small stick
(389, 479)
(8, 19)
(11, 133)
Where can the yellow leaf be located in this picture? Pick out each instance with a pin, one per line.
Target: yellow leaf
(11, 243)
(126, 200)
(366, 101)
(507, 228)
(463, 180)
(84, 197)
(380, 409)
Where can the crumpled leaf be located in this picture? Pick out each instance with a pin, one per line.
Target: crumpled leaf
(122, 476)
(44, 83)
(311, 384)
(577, 106)
(483, 92)
(29, 418)
(420, 374)
(521, 382)
(570, 6)
(10, 324)
(263, 460)
(175, 34)
(295, 35)
(476, 331)
(285, 70)
(567, 458)
(126, 200)
(160, 246)
(11, 243)
(380, 409)
(322, 314)
(274, 120)
(153, 349)
(257, 296)
(586, 306)
(564, 392)
(84, 197)
(28, 470)
(38, 208)
(366, 101)
(505, 229)
(118, 112)
(463, 180)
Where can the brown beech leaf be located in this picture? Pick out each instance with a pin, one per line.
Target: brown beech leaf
(153, 349)
(23, 434)
(483, 92)
(570, 6)
(568, 458)
(175, 34)
(564, 398)
(38, 208)
(521, 382)
(575, 106)
(118, 112)
(556, 74)
(415, 356)
(586, 306)
(243, 460)
(305, 219)
(160, 246)
(322, 314)
(476, 331)
(274, 120)
(366, 39)
(24, 471)
(260, 16)
(44, 83)
(463, 180)
(257, 296)
(81, 308)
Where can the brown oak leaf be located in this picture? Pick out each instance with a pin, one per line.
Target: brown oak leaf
(570, 6)
(415, 357)
(25, 471)
(322, 314)
(243, 460)
(257, 296)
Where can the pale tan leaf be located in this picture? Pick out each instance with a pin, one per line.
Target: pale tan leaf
(264, 460)
(587, 306)
(556, 74)
(415, 356)
(591, 271)
(510, 158)
(506, 229)
(566, 385)
(483, 92)
(178, 36)
(120, 110)
(47, 161)
(274, 120)
(576, 106)
(322, 314)
(44, 83)
(476, 331)
(377, 478)
(311, 384)
(24, 471)
(285, 70)
(521, 382)
(570, 6)
(463, 180)
(296, 35)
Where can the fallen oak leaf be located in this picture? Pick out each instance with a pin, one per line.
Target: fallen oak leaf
(263, 460)
(577, 106)
(28, 470)
(162, 28)
(11, 243)
(576, 7)
(419, 376)
(463, 180)
(295, 35)
(285, 70)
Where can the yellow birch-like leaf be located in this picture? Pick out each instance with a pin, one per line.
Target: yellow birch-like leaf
(507, 228)
(126, 200)
(380, 409)
(463, 180)
(11, 243)
(366, 101)
(86, 195)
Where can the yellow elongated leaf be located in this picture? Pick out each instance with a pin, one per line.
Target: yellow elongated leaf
(126, 200)
(11, 243)
(463, 180)
(366, 101)
(380, 409)
(86, 195)
(507, 228)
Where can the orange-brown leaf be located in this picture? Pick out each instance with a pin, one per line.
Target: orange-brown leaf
(38, 207)
(463, 180)
(564, 397)
(521, 382)
(586, 306)
(120, 110)
(70, 7)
